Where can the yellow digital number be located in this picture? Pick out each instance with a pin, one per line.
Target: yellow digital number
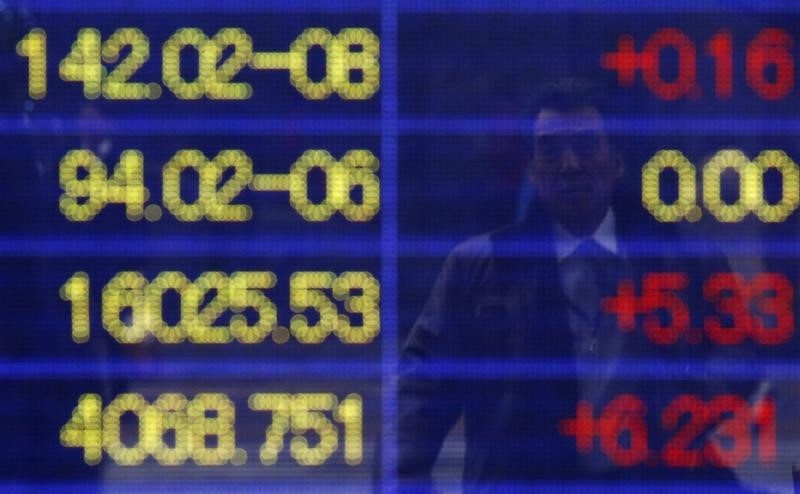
(298, 185)
(83, 198)
(350, 413)
(712, 184)
(154, 295)
(305, 292)
(298, 63)
(88, 188)
(216, 81)
(218, 205)
(76, 291)
(125, 290)
(121, 453)
(750, 186)
(85, 428)
(34, 47)
(168, 413)
(171, 193)
(132, 307)
(352, 67)
(342, 61)
(126, 185)
(116, 85)
(298, 413)
(219, 426)
(365, 304)
(171, 63)
(204, 428)
(684, 206)
(306, 415)
(211, 203)
(245, 291)
(82, 64)
(790, 186)
(357, 168)
(280, 406)
(200, 322)
(303, 412)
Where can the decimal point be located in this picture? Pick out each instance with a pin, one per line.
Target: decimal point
(239, 457)
(153, 90)
(653, 459)
(694, 336)
(152, 212)
(280, 335)
(694, 214)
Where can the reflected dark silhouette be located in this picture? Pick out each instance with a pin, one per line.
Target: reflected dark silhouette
(519, 339)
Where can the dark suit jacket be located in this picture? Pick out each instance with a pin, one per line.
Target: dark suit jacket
(498, 313)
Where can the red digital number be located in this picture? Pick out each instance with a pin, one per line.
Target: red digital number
(779, 305)
(656, 294)
(717, 433)
(773, 294)
(767, 53)
(764, 418)
(731, 417)
(720, 48)
(687, 64)
(624, 415)
(736, 427)
(730, 292)
(677, 452)
(770, 47)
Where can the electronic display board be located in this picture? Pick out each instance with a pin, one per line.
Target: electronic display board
(400, 246)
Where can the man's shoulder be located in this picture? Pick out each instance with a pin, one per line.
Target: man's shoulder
(478, 247)
(481, 259)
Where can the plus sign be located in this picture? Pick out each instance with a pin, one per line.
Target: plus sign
(625, 60)
(625, 306)
(583, 427)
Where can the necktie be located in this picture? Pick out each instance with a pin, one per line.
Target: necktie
(590, 273)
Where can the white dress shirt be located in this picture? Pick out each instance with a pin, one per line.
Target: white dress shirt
(595, 342)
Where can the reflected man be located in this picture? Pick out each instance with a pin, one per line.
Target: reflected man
(513, 338)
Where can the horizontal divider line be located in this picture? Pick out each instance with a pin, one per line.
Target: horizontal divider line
(158, 245)
(190, 246)
(336, 125)
(339, 485)
(185, 369)
(257, 484)
(540, 369)
(743, 7)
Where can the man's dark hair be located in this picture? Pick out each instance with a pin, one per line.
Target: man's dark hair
(568, 94)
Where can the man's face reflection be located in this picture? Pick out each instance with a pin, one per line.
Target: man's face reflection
(573, 168)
